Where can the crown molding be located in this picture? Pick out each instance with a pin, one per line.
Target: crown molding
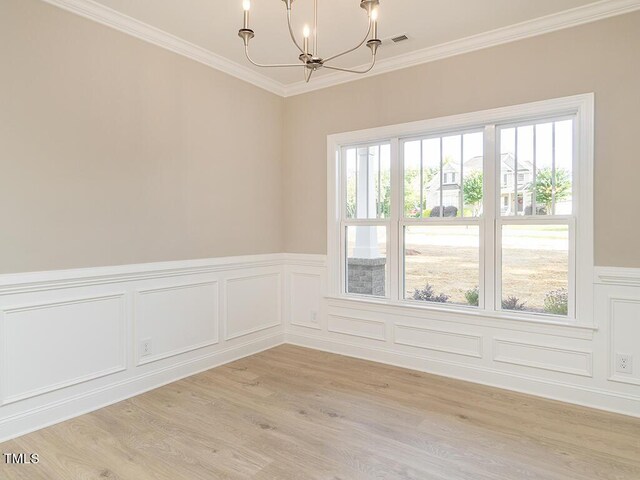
(532, 28)
(126, 24)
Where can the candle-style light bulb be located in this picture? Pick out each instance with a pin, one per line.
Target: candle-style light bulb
(374, 19)
(246, 6)
(305, 33)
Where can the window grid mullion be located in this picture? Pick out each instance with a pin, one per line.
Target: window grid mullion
(491, 185)
(461, 191)
(490, 223)
(395, 248)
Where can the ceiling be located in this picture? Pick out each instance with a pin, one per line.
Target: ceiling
(212, 25)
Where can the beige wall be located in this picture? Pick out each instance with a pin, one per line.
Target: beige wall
(115, 151)
(603, 57)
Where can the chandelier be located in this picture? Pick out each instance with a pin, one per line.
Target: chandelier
(309, 58)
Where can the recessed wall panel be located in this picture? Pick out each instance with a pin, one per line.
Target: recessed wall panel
(253, 304)
(47, 346)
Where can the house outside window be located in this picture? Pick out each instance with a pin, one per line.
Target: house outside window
(488, 212)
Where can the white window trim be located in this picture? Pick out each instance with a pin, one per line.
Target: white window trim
(580, 106)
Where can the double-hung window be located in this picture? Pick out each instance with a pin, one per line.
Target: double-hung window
(487, 213)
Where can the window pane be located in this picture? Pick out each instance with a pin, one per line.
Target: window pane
(384, 202)
(412, 207)
(352, 181)
(563, 167)
(536, 169)
(368, 181)
(507, 171)
(431, 177)
(524, 176)
(472, 155)
(442, 264)
(366, 267)
(451, 175)
(544, 165)
(535, 268)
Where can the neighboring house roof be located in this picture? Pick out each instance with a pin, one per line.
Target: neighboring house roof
(508, 163)
(475, 164)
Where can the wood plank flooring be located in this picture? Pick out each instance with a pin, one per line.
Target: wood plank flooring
(295, 413)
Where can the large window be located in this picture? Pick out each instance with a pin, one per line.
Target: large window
(488, 212)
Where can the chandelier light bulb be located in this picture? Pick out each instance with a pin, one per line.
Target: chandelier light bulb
(310, 59)
(246, 5)
(374, 18)
(305, 42)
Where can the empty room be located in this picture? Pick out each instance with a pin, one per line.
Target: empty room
(319, 239)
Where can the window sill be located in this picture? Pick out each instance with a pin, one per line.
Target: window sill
(501, 320)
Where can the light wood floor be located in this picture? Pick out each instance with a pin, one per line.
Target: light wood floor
(294, 413)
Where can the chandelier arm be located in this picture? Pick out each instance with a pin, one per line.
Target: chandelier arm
(293, 37)
(307, 75)
(354, 48)
(373, 63)
(246, 51)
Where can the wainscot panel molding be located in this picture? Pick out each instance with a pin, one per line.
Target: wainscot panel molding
(253, 304)
(543, 357)
(73, 340)
(357, 327)
(159, 317)
(40, 351)
(304, 298)
(566, 362)
(624, 334)
(438, 340)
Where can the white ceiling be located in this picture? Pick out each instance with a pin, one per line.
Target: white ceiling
(213, 24)
(206, 30)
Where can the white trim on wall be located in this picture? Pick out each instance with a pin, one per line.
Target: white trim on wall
(537, 385)
(7, 363)
(617, 276)
(570, 363)
(512, 33)
(580, 107)
(566, 363)
(148, 33)
(531, 28)
(182, 296)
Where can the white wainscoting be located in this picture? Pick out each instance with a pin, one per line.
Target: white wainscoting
(51, 345)
(544, 357)
(253, 304)
(72, 340)
(438, 340)
(175, 319)
(619, 304)
(357, 327)
(569, 363)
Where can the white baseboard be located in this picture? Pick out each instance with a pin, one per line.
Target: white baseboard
(569, 363)
(88, 401)
(554, 390)
(72, 339)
